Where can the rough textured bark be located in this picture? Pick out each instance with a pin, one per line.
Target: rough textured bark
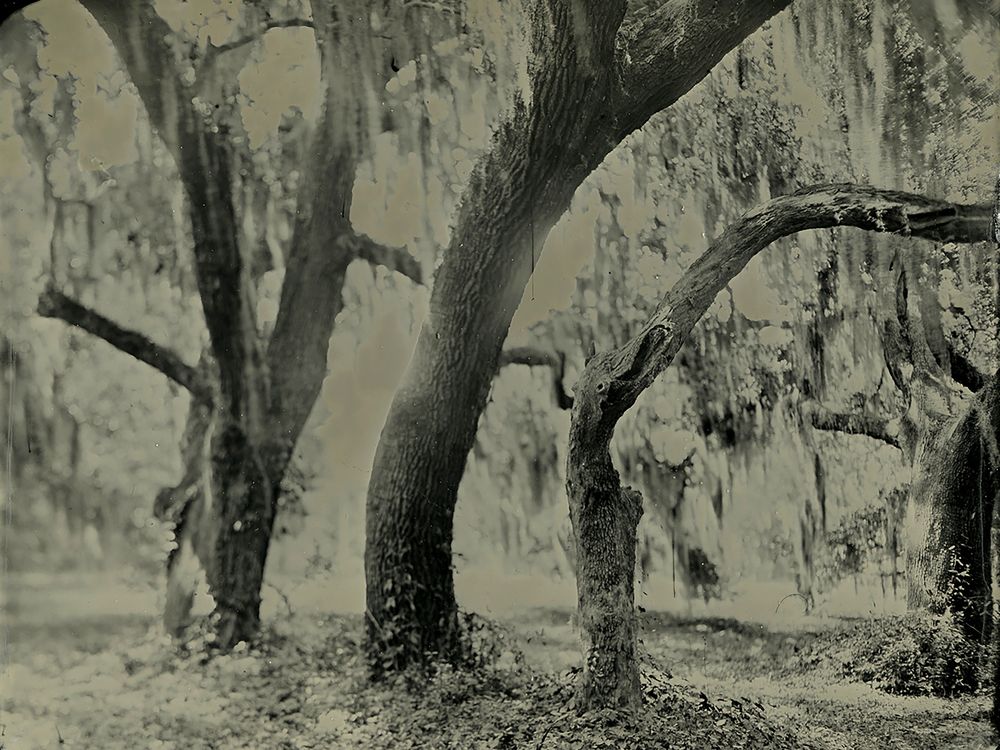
(956, 479)
(603, 511)
(587, 92)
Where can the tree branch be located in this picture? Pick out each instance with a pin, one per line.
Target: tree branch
(215, 52)
(964, 371)
(288, 23)
(10, 7)
(396, 259)
(532, 357)
(822, 418)
(54, 304)
(664, 53)
(622, 374)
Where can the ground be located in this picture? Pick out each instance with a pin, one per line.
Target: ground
(86, 669)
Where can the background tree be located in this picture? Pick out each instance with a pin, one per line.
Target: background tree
(259, 400)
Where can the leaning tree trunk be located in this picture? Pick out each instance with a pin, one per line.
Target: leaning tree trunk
(605, 517)
(955, 484)
(518, 192)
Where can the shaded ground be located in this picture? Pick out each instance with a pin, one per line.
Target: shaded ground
(87, 670)
(796, 673)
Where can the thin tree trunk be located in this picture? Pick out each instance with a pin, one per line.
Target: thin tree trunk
(605, 517)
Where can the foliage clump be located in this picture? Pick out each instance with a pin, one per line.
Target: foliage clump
(915, 655)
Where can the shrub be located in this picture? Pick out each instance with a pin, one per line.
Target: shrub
(917, 655)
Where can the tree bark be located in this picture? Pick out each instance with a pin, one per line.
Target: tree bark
(586, 95)
(605, 517)
(955, 484)
(611, 382)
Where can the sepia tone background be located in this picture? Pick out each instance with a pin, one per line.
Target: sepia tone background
(746, 503)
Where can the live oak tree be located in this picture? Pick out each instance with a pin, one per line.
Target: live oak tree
(599, 71)
(252, 394)
(604, 513)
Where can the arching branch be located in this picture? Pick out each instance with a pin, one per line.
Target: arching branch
(629, 370)
(54, 304)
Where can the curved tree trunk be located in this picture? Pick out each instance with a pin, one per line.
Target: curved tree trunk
(591, 88)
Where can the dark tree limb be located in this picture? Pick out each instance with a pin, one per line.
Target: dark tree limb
(664, 53)
(532, 357)
(964, 371)
(396, 259)
(10, 7)
(286, 23)
(54, 304)
(822, 418)
(214, 53)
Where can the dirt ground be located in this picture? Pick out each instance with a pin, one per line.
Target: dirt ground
(85, 668)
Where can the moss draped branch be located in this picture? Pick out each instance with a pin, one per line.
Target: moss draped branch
(633, 367)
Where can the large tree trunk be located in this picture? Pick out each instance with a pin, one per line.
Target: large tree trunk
(517, 194)
(951, 510)
(261, 403)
